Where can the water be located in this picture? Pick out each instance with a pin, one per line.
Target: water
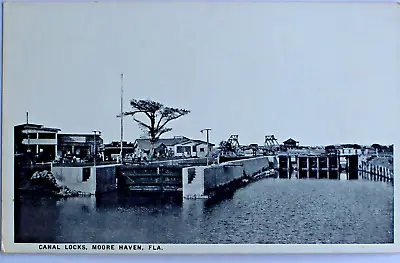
(270, 211)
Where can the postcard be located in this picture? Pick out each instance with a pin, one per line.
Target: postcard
(200, 127)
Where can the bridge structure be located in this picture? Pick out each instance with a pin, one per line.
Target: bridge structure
(271, 144)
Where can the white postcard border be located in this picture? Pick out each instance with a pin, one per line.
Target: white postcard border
(8, 246)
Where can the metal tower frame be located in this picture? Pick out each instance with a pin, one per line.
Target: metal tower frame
(271, 141)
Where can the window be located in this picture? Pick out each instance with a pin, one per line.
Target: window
(47, 135)
(187, 149)
(194, 149)
(179, 149)
(201, 149)
(85, 174)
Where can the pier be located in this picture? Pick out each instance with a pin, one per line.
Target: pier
(318, 165)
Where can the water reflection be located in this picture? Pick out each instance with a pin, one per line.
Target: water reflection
(314, 174)
(267, 211)
(343, 176)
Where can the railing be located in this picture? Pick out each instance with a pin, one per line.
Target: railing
(376, 173)
(83, 164)
(38, 166)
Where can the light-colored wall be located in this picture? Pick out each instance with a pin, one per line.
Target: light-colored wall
(209, 177)
(139, 152)
(349, 151)
(30, 131)
(196, 187)
(72, 178)
(203, 154)
(196, 153)
(104, 181)
(40, 141)
(176, 150)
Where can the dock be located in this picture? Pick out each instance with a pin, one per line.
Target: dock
(318, 165)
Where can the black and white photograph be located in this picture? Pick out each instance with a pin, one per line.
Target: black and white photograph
(199, 127)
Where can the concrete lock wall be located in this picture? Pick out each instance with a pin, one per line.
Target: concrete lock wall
(72, 177)
(193, 181)
(197, 180)
(106, 178)
(101, 179)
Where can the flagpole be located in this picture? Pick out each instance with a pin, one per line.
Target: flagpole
(122, 117)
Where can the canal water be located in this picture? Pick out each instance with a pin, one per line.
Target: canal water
(270, 211)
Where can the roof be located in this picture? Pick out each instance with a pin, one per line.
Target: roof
(290, 141)
(118, 144)
(108, 147)
(197, 142)
(145, 143)
(36, 127)
(78, 134)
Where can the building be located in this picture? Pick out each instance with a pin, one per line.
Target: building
(350, 149)
(112, 150)
(192, 148)
(37, 141)
(345, 149)
(178, 146)
(43, 144)
(82, 146)
(291, 144)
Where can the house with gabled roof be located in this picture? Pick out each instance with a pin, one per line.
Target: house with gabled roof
(291, 143)
(178, 146)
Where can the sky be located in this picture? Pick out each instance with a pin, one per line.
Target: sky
(321, 73)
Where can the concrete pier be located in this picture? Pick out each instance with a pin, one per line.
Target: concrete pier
(204, 181)
(87, 179)
(318, 166)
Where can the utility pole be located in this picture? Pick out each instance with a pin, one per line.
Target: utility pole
(122, 118)
(208, 146)
(122, 115)
(28, 150)
(94, 146)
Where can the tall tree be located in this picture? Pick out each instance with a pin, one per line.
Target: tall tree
(158, 117)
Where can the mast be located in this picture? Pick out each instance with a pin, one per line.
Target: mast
(122, 115)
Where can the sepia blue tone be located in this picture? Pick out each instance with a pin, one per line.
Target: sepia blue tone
(270, 211)
(240, 68)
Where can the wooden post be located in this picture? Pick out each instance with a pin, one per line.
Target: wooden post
(298, 167)
(317, 167)
(370, 172)
(387, 175)
(327, 166)
(363, 169)
(161, 179)
(308, 167)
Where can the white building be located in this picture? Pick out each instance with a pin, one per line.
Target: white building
(178, 146)
(349, 151)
